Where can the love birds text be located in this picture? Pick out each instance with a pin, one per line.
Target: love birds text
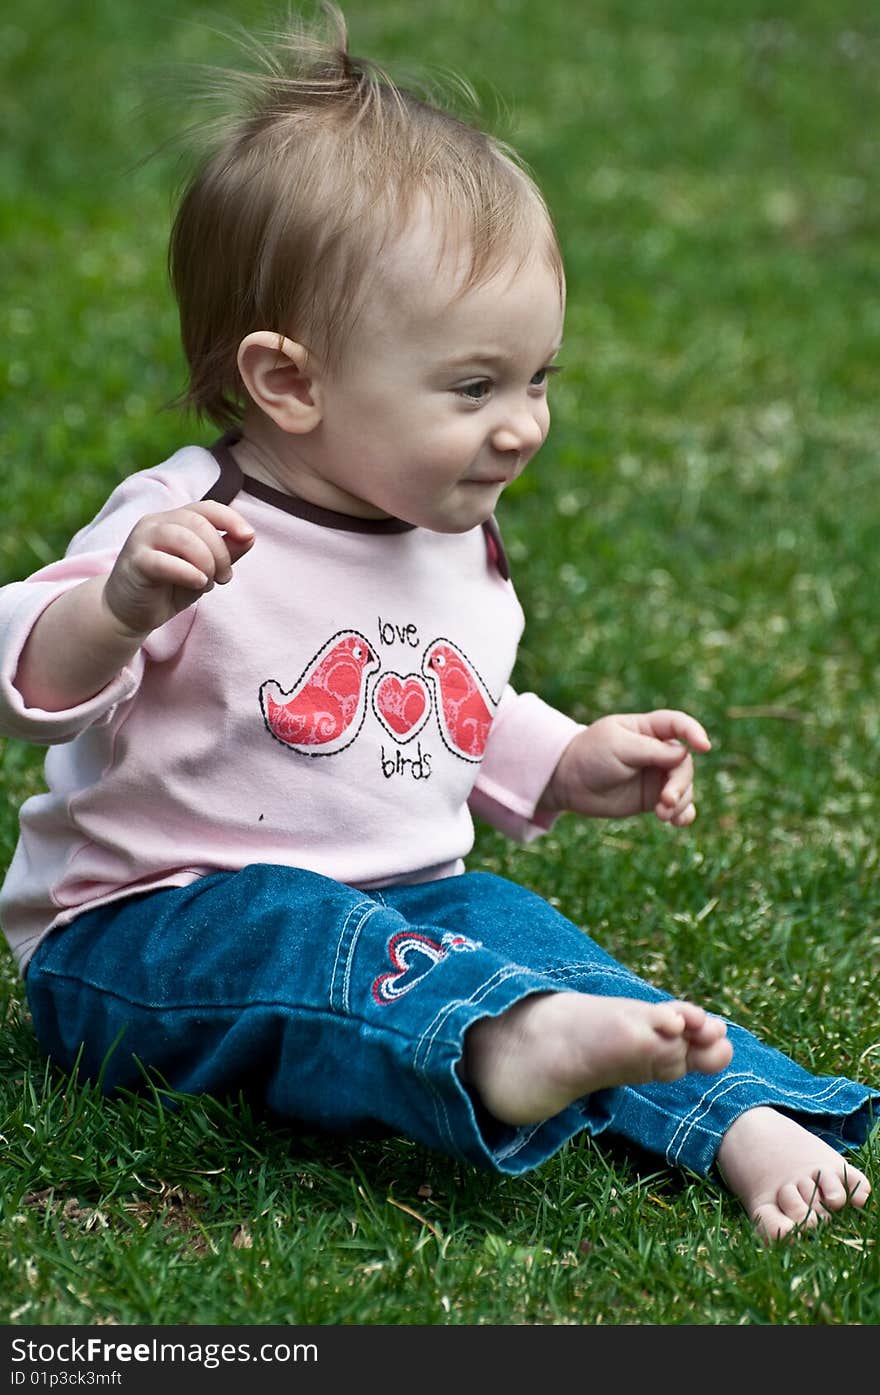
(391, 633)
(396, 763)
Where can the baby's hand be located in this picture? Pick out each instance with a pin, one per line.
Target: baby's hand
(170, 559)
(630, 764)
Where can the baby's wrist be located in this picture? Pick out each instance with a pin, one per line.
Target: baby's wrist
(555, 799)
(115, 627)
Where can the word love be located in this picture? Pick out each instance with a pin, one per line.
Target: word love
(390, 633)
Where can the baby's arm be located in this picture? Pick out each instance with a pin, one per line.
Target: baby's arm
(629, 764)
(82, 640)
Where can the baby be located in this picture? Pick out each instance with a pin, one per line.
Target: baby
(274, 678)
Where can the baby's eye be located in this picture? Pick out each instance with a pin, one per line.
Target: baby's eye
(476, 391)
(543, 375)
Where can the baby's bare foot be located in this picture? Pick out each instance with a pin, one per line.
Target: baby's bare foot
(784, 1175)
(551, 1048)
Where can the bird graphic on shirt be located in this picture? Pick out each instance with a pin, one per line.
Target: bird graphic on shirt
(322, 713)
(464, 706)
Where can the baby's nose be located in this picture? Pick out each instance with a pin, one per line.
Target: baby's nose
(523, 432)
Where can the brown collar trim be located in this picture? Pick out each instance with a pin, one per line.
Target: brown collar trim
(231, 481)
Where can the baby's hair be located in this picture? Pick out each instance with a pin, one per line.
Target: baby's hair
(323, 162)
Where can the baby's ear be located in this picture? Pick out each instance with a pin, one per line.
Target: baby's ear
(275, 371)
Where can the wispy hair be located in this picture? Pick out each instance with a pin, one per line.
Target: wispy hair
(318, 160)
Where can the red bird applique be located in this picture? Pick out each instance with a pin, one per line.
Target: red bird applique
(463, 704)
(323, 711)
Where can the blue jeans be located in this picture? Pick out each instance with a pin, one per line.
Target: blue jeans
(343, 1010)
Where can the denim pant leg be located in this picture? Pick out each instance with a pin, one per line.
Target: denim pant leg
(683, 1121)
(320, 1003)
(346, 1011)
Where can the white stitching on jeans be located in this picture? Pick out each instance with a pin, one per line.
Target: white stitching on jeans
(368, 907)
(426, 1040)
(715, 1092)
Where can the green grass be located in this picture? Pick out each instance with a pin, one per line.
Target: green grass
(701, 531)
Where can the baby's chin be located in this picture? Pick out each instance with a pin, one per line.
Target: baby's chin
(473, 505)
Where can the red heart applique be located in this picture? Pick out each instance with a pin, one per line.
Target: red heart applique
(402, 703)
(413, 956)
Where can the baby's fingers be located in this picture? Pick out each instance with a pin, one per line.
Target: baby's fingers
(225, 523)
(165, 568)
(663, 755)
(681, 817)
(668, 724)
(676, 802)
(195, 542)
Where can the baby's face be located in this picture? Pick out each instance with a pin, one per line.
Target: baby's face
(441, 398)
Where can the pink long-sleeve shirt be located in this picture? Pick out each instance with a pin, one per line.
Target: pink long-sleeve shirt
(343, 705)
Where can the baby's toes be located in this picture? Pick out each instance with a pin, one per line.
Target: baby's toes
(770, 1223)
(714, 1058)
(670, 1021)
(798, 1201)
(856, 1186)
(828, 1189)
(682, 1016)
(713, 1029)
(671, 1061)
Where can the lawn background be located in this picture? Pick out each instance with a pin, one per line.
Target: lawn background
(700, 531)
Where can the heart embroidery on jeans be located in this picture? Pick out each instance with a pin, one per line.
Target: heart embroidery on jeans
(413, 956)
(402, 703)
